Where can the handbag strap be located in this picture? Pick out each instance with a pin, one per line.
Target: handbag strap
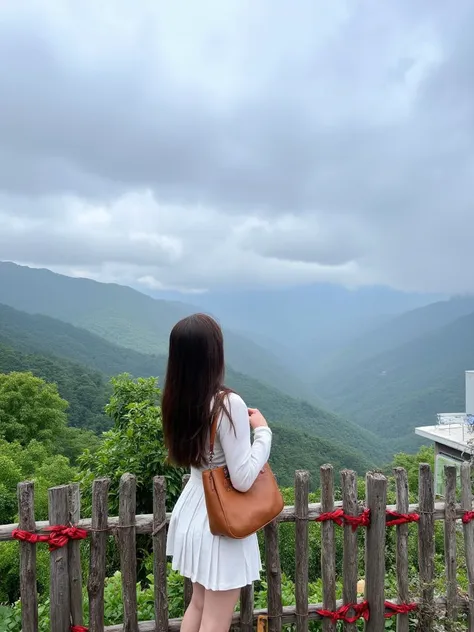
(214, 423)
(213, 437)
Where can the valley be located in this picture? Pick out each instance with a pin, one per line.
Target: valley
(360, 401)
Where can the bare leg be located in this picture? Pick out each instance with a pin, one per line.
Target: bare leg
(218, 609)
(192, 616)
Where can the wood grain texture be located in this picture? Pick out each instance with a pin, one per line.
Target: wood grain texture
(246, 609)
(98, 554)
(144, 522)
(426, 548)
(328, 546)
(28, 590)
(450, 474)
(159, 553)
(301, 549)
(350, 554)
(468, 531)
(272, 559)
(60, 602)
(376, 500)
(401, 480)
(74, 561)
(128, 551)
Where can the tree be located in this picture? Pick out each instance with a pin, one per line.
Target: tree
(411, 462)
(135, 445)
(30, 408)
(20, 463)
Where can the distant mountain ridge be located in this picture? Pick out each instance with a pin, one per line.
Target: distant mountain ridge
(305, 435)
(397, 331)
(130, 319)
(403, 387)
(303, 325)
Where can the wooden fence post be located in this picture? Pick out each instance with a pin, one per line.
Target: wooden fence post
(128, 551)
(426, 548)
(450, 547)
(375, 551)
(328, 546)
(301, 549)
(159, 554)
(350, 557)
(468, 529)
(98, 553)
(246, 609)
(272, 563)
(28, 590)
(401, 480)
(74, 553)
(60, 602)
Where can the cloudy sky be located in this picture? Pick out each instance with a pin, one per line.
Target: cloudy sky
(192, 145)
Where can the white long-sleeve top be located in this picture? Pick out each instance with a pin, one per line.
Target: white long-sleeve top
(233, 446)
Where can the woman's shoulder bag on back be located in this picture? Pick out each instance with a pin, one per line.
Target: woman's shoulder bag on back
(237, 514)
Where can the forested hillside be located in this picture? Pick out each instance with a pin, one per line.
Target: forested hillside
(85, 390)
(130, 319)
(49, 348)
(393, 333)
(399, 389)
(33, 334)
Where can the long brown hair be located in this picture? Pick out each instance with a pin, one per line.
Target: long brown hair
(194, 378)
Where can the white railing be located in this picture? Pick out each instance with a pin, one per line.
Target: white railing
(459, 420)
(447, 419)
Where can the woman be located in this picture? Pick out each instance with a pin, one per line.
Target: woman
(193, 393)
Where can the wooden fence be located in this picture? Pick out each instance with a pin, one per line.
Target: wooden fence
(370, 514)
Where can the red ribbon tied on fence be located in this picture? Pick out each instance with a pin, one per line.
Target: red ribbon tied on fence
(336, 516)
(467, 517)
(340, 518)
(358, 610)
(56, 536)
(79, 628)
(398, 608)
(362, 520)
(401, 518)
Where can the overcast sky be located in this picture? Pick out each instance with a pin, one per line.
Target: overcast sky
(193, 145)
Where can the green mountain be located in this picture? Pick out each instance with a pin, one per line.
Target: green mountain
(393, 392)
(393, 333)
(86, 390)
(308, 432)
(128, 318)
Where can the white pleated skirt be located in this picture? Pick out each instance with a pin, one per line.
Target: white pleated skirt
(215, 562)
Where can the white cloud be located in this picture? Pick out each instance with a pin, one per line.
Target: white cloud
(185, 145)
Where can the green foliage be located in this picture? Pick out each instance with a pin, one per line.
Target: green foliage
(293, 449)
(128, 318)
(85, 390)
(30, 409)
(325, 434)
(135, 445)
(32, 462)
(45, 336)
(397, 387)
(127, 392)
(72, 442)
(411, 463)
(313, 421)
(19, 463)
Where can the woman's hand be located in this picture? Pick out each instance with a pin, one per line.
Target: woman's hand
(256, 419)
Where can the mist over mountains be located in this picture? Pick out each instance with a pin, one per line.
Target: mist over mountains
(383, 361)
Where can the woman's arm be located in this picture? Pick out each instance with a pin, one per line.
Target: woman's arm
(244, 459)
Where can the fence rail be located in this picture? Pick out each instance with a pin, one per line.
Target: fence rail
(144, 522)
(65, 529)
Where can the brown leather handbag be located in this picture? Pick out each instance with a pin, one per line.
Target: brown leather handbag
(237, 514)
